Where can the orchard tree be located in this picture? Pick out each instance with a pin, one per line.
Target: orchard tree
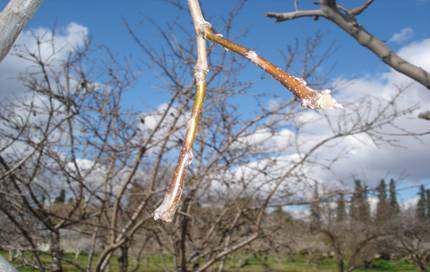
(412, 238)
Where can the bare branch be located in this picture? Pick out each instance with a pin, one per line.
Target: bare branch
(358, 10)
(285, 16)
(13, 19)
(347, 22)
(309, 97)
(167, 209)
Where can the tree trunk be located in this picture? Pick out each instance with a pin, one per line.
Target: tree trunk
(13, 19)
(423, 267)
(123, 258)
(340, 265)
(184, 229)
(56, 252)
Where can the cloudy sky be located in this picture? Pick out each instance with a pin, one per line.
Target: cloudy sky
(357, 74)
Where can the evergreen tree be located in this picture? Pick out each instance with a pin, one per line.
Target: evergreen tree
(360, 209)
(43, 199)
(354, 209)
(315, 210)
(394, 205)
(61, 198)
(365, 206)
(421, 213)
(282, 215)
(428, 204)
(382, 211)
(341, 208)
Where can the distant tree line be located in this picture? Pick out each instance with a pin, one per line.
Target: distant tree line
(357, 236)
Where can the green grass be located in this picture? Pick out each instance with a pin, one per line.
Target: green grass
(237, 262)
(299, 263)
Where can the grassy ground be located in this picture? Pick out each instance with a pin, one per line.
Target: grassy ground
(239, 262)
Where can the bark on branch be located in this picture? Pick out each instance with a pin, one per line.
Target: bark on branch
(346, 20)
(167, 209)
(285, 16)
(359, 10)
(13, 19)
(309, 97)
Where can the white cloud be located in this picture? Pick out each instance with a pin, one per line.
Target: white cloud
(60, 43)
(373, 204)
(410, 203)
(54, 49)
(162, 120)
(355, 156)
(409, 156)
(403, 36)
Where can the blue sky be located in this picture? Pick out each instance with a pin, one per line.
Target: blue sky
(408, 19)
(104, 22)
(103, 19)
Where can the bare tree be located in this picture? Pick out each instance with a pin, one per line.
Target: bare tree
(353, 243)
(412, 239)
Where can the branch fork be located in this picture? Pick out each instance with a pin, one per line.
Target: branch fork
(309, 97)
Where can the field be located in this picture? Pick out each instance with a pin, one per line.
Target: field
(242, 263)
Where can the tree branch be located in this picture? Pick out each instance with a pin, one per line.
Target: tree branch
(13, 19)
(359, 10)
(285, 16)
(348, 23)
(168, 207)
(309, 97)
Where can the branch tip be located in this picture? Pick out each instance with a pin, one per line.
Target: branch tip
(322, 100)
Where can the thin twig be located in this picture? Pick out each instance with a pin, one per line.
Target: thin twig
(358, 10)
